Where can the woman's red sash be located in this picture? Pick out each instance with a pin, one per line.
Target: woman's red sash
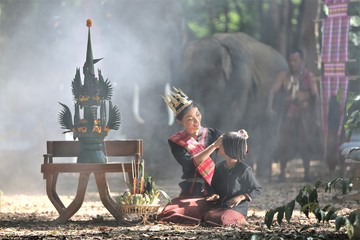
(207, 167)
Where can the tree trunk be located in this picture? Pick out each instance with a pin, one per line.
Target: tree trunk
(307, 40)
(280, 20)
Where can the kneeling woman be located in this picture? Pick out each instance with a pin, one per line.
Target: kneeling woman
(234, 183)
(194, 148)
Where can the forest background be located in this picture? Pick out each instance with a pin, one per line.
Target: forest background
(41, 44)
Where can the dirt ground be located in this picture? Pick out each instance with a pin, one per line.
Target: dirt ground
(32, 217)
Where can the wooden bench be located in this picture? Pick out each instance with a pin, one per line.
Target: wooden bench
(51, 170)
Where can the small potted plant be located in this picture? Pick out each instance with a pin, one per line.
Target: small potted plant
(144, 198)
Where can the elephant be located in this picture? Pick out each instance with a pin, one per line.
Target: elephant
(229, 76)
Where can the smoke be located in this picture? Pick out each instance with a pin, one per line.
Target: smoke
(41, 45)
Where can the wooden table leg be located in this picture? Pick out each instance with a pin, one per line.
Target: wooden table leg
(105, 197)
(51, 180)
(75, 205)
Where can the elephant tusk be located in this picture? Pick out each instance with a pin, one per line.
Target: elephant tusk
(167, 92)
(136, 104)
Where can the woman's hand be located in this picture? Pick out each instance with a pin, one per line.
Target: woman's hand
(236, 200)
(200, 157)
(212, 198)
(218, 142)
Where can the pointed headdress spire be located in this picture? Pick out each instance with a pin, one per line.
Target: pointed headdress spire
(177, 100)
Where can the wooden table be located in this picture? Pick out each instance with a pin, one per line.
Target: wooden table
(52, 170)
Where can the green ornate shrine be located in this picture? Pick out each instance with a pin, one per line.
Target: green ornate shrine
(94, 113)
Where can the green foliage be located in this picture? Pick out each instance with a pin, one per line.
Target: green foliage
(289, 208)
(349, 222)
(307, 198)
(340, 183)
(150, 195)
(354, 33)
(208, 17)
(152, 188)
(353, 114)
(354, 36)
(199, 30)
(252, 17)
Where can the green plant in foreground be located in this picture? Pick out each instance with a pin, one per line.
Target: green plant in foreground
(353, 115)
(307, 198)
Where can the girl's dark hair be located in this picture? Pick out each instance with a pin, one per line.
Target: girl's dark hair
(234, 145)
(181, 114)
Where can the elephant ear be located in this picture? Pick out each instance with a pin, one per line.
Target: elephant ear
(235, 53)
(226, 61)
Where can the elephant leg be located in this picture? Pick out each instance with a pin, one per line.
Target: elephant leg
(283, 163)
(285, 153)
(264, 164)
(270, 147)
(306, 163)
(264, 146)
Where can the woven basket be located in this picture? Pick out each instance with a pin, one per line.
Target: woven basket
(140, 209)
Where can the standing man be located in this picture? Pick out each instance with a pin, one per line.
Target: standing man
(299, 133)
